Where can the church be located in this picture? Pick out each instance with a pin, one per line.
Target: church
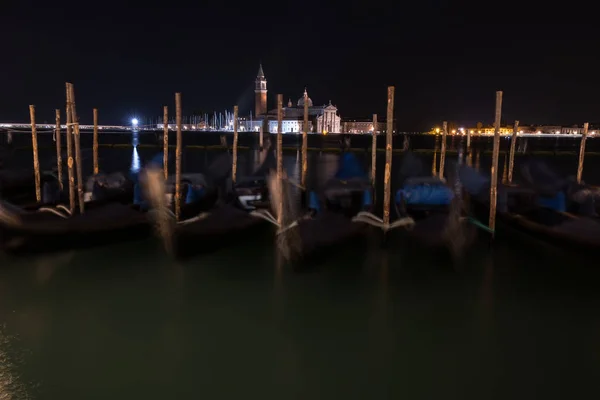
(321, 119)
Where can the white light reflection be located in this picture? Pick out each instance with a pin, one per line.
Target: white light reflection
(135, 161)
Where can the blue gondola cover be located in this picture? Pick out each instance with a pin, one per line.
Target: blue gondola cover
(349, 167)
(557, 202)
(194, 193)
(425, 194)
(367, 198)
(313, 201)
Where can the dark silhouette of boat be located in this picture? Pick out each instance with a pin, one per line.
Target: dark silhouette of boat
(230, 219)
(538, 209)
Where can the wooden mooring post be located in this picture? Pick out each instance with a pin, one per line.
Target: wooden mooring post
(280, 158)
(70, 161)
(511, 155)
(178, 152)
(305, 141)
(387, 183)
(235, 143)
(77, 143)
(95, 143)
(374, 151)
(36, 158)
(582, 152)
(166, 141)
(260, 137)
(58, 150)
(443, 149)
(494, 167)
(468, 142)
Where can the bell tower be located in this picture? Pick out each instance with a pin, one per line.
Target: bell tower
(260, 93)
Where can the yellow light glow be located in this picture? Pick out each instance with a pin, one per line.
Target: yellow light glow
(453, 131)
(437, 130)
(324, 132)
(471, 132)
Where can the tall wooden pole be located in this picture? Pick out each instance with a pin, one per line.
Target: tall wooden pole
(77, 137)
(58, 151)
(468, 141)
(36, 159)
(582, 152)
(374, 151)
(235, 143)
(280, 158)
(387, 188)
(95, 144)
(511, 156)
(305, 141)
(70, 161)
(178, 152)
(166, 141)
(494, 168)
(443, 150)
(260, 136)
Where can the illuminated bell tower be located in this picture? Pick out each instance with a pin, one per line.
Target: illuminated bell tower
(260, 90)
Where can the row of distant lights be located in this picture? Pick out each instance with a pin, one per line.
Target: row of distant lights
(462, 131)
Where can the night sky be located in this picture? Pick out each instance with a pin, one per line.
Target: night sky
(445, 59)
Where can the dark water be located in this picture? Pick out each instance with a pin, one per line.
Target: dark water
(518, 320)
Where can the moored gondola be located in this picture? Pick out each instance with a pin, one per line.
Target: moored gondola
(435, 207)
(541, 214)
(328, 222)
(231, 219)
(116, 211)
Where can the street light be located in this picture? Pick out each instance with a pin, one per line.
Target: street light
(134, 122)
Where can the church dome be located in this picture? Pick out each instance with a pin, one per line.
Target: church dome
(301, 100)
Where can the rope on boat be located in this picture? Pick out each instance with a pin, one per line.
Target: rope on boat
(371, 219)
(198, 217)
(478, 224)
(64, 208)
(299, 186)
(267, 216)
(53, 211)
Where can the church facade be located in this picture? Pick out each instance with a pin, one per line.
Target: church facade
(321, 119)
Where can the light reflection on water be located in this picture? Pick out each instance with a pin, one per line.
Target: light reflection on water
(11, 384)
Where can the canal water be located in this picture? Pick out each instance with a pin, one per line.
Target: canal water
(515, 320)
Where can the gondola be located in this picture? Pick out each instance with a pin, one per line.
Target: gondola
(434, 207)
(18, 187)
(230, 220)
(541, 214)
(115, 212)
(328, 223)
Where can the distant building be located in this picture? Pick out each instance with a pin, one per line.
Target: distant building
(260, 93)
(362, 126)
(321, 119)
